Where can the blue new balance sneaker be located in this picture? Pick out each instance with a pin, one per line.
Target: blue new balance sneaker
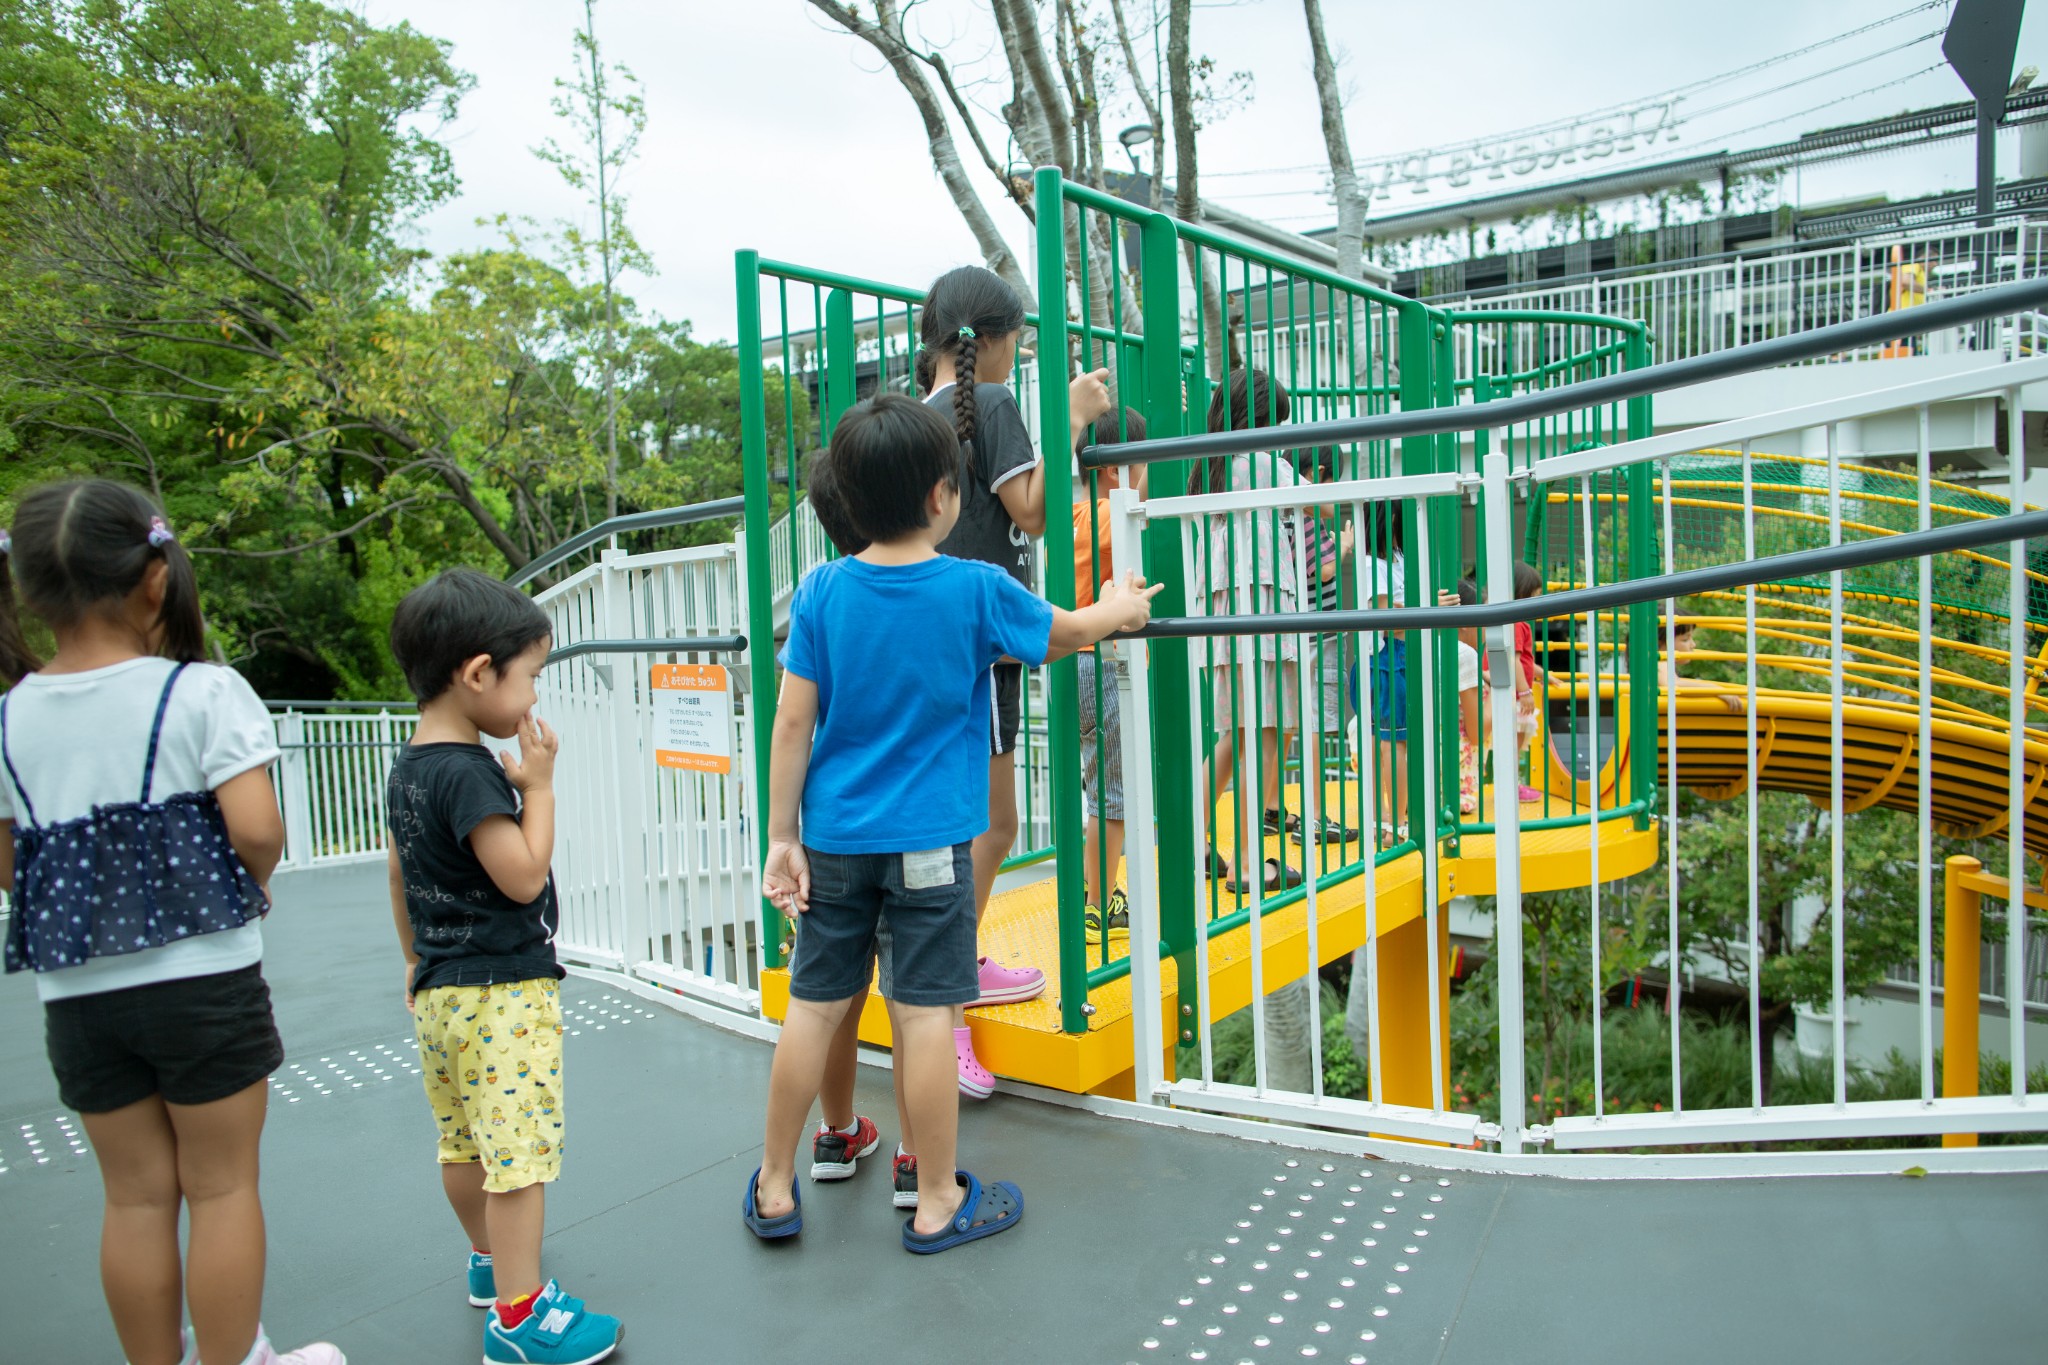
(483, 1282)
(559, 1331)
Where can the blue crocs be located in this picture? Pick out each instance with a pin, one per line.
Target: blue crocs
(769, 1229)
(483, 1282)
(985, 1211)
(559, 1331)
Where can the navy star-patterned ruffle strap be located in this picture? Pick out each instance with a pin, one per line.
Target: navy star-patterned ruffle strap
(126, 877)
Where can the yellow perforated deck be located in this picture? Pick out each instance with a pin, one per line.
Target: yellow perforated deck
(1025, 1041)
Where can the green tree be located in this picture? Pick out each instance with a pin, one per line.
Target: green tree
(206, 287)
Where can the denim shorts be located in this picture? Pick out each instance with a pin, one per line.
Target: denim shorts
(1389, 690)
(1102, 746)
(193, 1041)
(909, 914)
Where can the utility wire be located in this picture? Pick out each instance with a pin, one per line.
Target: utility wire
(1675, 92)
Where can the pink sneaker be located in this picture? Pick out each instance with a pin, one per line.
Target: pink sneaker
(1002, 985)
(1526, 793)
(975, 1081)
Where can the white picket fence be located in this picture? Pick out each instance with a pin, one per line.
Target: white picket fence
(654, 865)
(330, 780)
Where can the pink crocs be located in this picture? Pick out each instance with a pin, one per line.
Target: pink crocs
(1002, 985)
(975, 1081)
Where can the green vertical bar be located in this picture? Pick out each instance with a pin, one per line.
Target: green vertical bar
(842, 367)
(1642, 619)
(1418, 326)
(1174, 778)
(1063, 710)
(760, 579)
(1444, 529)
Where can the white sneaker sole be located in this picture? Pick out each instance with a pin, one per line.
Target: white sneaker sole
(904, 1199)
(475, 1302)
(843, 1170)
(587, 1360)
(1014, 995)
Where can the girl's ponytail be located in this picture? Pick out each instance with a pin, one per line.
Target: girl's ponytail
(963, 387)
(963, 309)
(17, 661)
(183, 623)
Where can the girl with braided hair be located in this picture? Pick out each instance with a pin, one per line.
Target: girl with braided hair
(969, 329)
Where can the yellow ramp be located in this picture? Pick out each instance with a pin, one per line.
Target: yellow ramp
(1025, 1041)
(1881, 758)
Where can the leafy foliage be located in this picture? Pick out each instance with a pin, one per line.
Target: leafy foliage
(207, 288)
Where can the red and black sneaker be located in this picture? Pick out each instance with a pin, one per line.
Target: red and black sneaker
(904, 1169)
(834, 1153)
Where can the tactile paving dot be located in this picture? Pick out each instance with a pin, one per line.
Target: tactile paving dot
(1254, 1309)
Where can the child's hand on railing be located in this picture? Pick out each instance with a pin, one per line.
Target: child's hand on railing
(786, 876)
(1132, 597)
(1088, 397)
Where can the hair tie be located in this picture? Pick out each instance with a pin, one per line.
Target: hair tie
(967, 334)
(159, 532)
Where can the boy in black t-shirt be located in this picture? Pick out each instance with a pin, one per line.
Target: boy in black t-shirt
(474, 904)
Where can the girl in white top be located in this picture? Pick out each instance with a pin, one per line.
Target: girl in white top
(1250, 563)
(138, 829)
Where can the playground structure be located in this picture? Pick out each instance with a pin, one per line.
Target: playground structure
(1497, 434)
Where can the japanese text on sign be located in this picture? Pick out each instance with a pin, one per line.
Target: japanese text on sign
(692, 718)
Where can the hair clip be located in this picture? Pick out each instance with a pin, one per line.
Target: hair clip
(159, 532)
(967, 334)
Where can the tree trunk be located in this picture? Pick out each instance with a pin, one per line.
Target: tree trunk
(1030, 65)
(1768, 1017)
(1350, 240)
(1187, 198)
(885, 38)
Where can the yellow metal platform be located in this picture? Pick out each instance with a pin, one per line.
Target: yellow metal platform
(1025, 1041)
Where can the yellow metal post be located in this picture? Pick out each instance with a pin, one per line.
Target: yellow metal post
(1962, 943)
(1405, 985)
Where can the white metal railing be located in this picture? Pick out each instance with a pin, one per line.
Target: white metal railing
(330, 779)
(1826, 654)
(1698, 309)
(654, 865)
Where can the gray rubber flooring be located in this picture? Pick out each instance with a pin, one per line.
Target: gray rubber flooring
(1139, 1243)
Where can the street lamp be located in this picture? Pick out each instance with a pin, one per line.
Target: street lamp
(1134, 137)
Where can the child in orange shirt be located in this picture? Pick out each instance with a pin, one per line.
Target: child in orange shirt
(1101, 727)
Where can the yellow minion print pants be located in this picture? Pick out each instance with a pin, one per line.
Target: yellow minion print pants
(492, 1059)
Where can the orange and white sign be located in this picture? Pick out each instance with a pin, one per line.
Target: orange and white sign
(692, 718)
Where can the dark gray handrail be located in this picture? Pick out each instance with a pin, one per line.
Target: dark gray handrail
(287, 704)
(632, 521)
(1672, 374)
(684, 644)
(1859, 554)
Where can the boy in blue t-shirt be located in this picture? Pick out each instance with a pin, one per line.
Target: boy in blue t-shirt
(884, 696)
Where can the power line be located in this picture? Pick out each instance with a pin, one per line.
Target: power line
(1676, 92)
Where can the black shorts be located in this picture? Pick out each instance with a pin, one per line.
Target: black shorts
(193, 1041)
(910, 913)
(1005, 707)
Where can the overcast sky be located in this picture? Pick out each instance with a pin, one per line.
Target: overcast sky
(769, 128)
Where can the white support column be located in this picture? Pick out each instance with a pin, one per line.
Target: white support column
(296, 788)
(1149, 1031)
(1507, 814)
(628, 762)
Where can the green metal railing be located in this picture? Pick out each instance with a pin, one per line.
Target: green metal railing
(1169, 320)
(835, 340)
